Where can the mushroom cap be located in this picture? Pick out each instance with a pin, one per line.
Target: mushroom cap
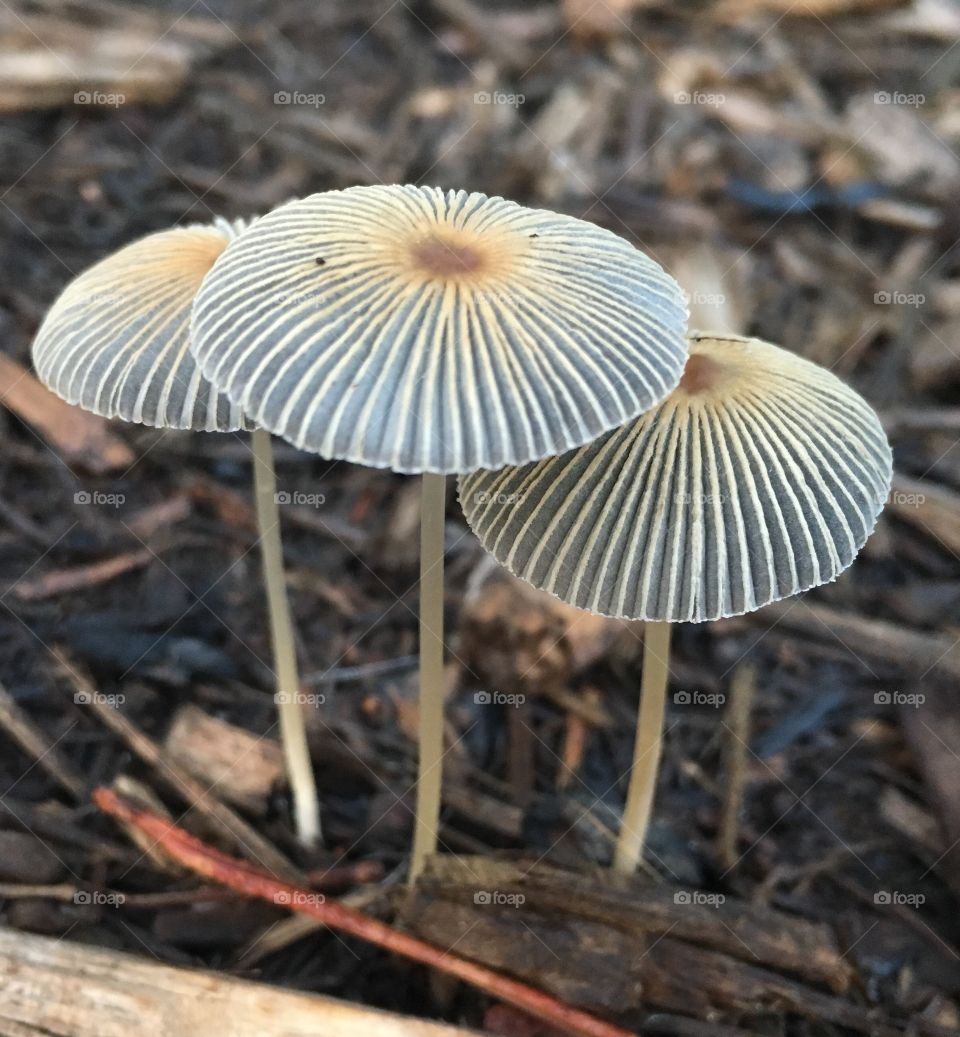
(115, 341)
(428, 331)
(759, 477)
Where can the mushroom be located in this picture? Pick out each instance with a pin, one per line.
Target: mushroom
(115, 343)
(759, 477)
(436, 332)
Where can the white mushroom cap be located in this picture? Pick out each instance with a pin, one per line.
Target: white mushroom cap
(115, 341)
(436, 331)
(759, 477)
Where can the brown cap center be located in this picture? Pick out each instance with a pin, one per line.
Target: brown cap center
(443, 257)
(700, 374)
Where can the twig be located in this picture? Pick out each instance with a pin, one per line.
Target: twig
(63, 891)
(923, 419)
(341, 674)
(576, 733)
(35, 744)
(890, 643)
(227, 823)
(241, 877)
(737, 729)
(80, 577)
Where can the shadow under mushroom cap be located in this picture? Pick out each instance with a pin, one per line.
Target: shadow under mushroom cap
(760, 476)
(115, 341)
(429, 330)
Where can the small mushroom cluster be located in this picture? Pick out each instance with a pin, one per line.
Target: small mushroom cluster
(603, 454)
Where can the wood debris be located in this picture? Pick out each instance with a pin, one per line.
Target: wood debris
(243, 767)
(51, 59)
(92, 992)
(75, 434)
(796, 166)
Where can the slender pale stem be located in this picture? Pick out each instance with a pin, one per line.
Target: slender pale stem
(293, 732)
(646, 748)
(430, 768)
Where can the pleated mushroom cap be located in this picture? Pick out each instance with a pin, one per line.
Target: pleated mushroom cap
(115, 341)
(759, 477)
(430, 331)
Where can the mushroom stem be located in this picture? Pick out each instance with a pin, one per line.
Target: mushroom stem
(430, 768)
(293, 732)
(646, 747)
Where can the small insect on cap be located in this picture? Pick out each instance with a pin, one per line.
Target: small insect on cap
(437, 331)
(115, 341)
(759, 477)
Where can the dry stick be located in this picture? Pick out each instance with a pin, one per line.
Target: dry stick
(239, 876)
(64, 892)
(646, 749)
(293, 731)
(80, 577)
(228, 824)
(74, 990)
(880, 639)
(430, 767)
(737, 722)
(35, 744)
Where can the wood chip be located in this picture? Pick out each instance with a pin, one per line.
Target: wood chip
(457, 893)
(75, 434)
(244, 767)
(599, 19)
(929, 507)
(53, 60)
(514, 636)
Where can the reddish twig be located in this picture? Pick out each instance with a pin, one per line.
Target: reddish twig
(241, 877)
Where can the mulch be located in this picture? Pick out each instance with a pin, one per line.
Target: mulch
(797, 166)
